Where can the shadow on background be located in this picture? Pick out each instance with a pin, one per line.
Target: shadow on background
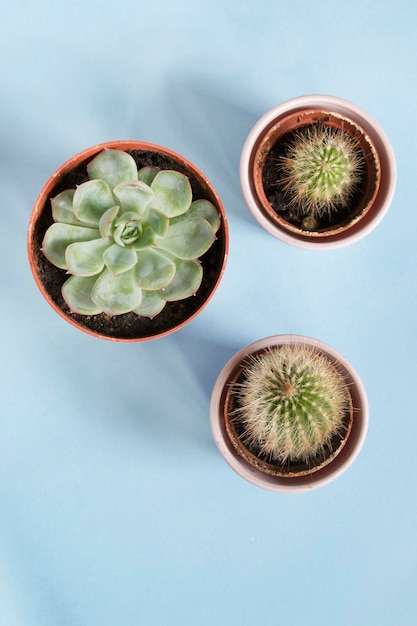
(206, 357)
(213, 119)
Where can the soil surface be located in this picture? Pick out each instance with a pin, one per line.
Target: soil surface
(130, 325)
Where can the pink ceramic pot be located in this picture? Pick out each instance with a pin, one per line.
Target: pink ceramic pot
(258, 141)
(300, 483)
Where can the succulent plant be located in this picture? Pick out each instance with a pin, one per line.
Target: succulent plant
(291, 403)
(130, 240)
(320, 171)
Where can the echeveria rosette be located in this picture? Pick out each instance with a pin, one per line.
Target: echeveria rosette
(130, 240)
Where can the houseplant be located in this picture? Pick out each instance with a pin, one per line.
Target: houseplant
(317, 172)
(141, 232)
(266, 448)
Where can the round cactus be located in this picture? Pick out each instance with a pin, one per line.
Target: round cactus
(321, 170)
(291, 403)
(130, 240)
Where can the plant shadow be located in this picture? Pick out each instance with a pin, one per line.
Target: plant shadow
(211, 117)
(206, 357)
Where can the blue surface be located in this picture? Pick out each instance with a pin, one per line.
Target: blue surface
(116, 507)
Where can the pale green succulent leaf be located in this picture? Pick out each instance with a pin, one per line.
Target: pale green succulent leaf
(150, 305)
(158, 222)
(154, 270)
(188, 239)
(147, 174)
(134, 196)
(187, 280)
(116, 295)
(202, 208)
(91, 200)
(76, 292)
(119, 259)
(59, 236)
(85, 258)
(127, 216)
(107, 220)
(146, 239)
(63, 210)
(113, 166)
(173, 193)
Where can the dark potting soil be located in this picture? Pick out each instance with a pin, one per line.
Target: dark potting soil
(130, 325)
(279, 201)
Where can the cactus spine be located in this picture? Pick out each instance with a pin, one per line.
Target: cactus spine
(321, 170)
(291, 403)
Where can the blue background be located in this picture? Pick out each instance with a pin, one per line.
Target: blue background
(115, 506)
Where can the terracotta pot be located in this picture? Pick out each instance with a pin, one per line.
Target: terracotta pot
(369, 204)
(129, 327)
(295, 478)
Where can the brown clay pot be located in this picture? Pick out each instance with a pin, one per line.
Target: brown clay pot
(294, 477)
(128, 327)
(377, 187)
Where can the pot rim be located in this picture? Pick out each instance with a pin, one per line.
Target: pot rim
(291, 484)
(358, 116)
(73, 162)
